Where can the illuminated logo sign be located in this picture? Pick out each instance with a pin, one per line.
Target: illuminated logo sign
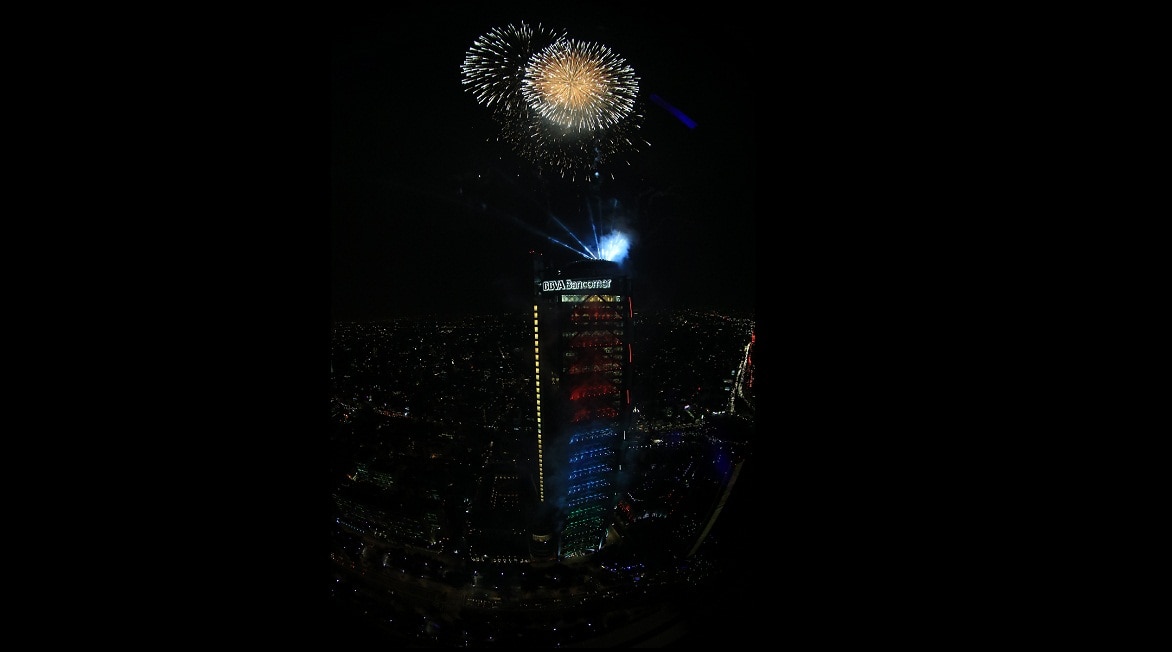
(574, 284)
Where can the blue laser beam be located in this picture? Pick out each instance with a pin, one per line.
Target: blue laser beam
(688, 122)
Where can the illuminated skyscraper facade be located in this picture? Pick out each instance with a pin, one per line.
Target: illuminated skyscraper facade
(582, 332)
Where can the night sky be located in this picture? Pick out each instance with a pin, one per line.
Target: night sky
(863, 154)
(432, 215)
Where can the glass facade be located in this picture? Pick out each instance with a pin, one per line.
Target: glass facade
(583, 363)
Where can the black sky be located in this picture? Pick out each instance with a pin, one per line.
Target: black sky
(430, 215)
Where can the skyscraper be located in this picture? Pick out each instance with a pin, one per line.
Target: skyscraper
(582, 331)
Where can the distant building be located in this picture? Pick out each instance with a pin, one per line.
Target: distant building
(582, 332)
(542, 542)
(497, 521)
(380, 478)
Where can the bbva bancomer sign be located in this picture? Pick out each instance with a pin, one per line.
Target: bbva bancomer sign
(575, 284)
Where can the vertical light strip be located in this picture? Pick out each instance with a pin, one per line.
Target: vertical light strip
(537, 396)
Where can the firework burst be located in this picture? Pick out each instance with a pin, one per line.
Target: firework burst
(580, 86)
(494, 67)
(568, 104)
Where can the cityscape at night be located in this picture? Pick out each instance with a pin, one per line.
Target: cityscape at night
(530, 324)
(432, 535)
(543, 396)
